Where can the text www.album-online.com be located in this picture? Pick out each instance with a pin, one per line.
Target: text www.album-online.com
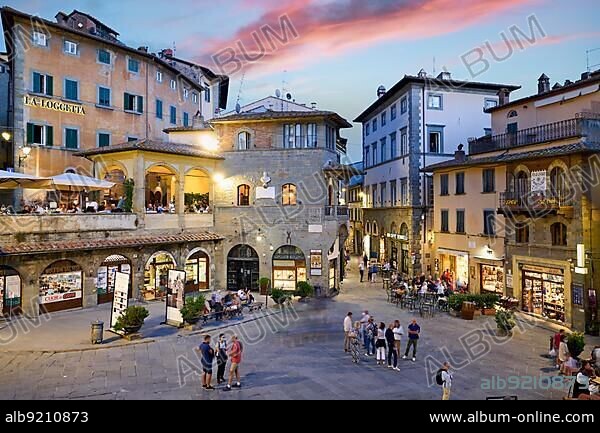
(535, 417)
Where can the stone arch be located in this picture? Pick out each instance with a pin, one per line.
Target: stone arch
(522, 167)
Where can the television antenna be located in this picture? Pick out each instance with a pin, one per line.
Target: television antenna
(590, 66)
(237, 102)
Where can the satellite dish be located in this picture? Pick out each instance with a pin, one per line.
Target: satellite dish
(238, 108)
(289, 96)
(278, 93)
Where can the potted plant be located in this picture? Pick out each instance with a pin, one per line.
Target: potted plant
(131, 320)
(193, 309)
(455, 304)
(505, 321)
(576, 344)
(304, 290)
(129, 189)
(264, 284)
(489, 304)
(279, 296)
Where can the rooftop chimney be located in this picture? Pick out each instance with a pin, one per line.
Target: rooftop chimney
(313, 105)
(568, 82)
(585, 75)
(460, 154)
(381, 91)
(61, 18)
(444, 75)
(543, 84)
(503, 97)
(143, 49)
(422, 74)
(166, 53)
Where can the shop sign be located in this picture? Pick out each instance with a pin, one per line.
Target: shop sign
(577, 291)
(316, 263)
(54, 105)
(542, 270)
(66, 286)
(538, 181)
(397, 237)
(509, 281)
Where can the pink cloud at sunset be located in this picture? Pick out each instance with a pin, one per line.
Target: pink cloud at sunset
(330, 29)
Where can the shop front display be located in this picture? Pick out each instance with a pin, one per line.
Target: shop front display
(105, 279)
(544, 292)
(61, 287)
(455, 265)
(332, 280)
(492, 279)
(156, 275)
(10, 291)
(197, 272)
(243, 266)
(289, 268)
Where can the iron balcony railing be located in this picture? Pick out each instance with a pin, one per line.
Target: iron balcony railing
(535, 200)
(584, 124)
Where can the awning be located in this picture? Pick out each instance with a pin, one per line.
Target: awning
(11, 180)
(77, 182)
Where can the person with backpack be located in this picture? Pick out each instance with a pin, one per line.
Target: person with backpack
(221, 358)
(380, 344)
(391, 345)
(444, 379)
(207, 357)
(235, 354)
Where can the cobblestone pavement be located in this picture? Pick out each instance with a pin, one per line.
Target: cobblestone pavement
(296, 354)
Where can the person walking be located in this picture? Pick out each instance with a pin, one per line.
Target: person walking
(380, 344)
(371, 332)
(398, 333)
(235, 354)
(391, 346)
(361, 269)
(370, 274)
(365, 260)
(374, 273)
(221, 359)
(444, 378)
(556, 345)
(414, 332)
(207, 357)
(563, 351)
(347, 330)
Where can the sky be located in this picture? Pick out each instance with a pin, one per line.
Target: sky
(338, 52)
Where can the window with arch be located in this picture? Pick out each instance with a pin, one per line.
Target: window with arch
(512, 113)
(244, 141)
(559, 234)
(289, 196)
(368, 228)
(558, 182)
(522, 233)
(522, 183)
(243, 195)
(375, 229)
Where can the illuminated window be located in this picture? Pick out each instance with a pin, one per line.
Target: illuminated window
(289, 195)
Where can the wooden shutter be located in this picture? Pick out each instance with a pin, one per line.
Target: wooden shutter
(30, 127)
(49, 85)
(49, 136)
(140, 104)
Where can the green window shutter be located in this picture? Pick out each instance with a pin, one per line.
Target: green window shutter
(49, 136)
(37, 83)
(30, 133)
(49, 85)
(140, 104)
(71, 139)
(159, 109)
(126, 102)
(103, 140)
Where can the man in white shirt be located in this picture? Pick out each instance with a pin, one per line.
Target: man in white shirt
(347, 330)
(447, 381)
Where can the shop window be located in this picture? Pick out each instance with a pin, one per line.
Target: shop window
(559, 234)
(243, 195)
(289, 195)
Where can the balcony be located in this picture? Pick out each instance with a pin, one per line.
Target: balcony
(583, 125)
(536, 204)
(66, 223)
(337, 212)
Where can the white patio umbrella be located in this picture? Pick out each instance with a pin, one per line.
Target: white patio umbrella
(10, 180)
(77, 182)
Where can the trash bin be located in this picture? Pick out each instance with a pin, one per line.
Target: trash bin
(318, 291)
(468, 310)
(97, 332)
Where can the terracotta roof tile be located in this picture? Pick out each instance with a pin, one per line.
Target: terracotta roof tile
(94, 244)
(153, 146)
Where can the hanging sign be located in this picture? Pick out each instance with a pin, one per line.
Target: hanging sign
(538, 181)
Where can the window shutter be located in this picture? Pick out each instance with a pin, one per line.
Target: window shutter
(37, 83)
(140, 104)
(30, 127)
(49, 85)
(126, 102)
(49, 136)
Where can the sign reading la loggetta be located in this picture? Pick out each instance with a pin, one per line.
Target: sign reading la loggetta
(54, 105)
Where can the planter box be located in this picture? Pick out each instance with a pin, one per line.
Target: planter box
(488, 311)
(477, 313)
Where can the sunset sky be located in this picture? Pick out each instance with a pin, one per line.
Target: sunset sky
(346, 48)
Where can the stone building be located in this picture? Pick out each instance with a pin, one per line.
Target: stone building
(420, 121)
(539, 179)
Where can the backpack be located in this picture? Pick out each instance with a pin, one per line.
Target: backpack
(438, 377)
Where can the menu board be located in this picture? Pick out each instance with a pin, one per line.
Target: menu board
(121, 297)
(316, 263)
(175, 297)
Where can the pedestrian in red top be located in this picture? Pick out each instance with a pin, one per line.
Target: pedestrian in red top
(557, 339)
(235, 356)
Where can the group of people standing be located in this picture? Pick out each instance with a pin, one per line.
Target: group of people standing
(221, 352)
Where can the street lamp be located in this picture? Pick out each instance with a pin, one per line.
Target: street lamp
(6, 136)
(25, 151)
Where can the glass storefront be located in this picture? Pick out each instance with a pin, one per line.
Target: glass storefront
(10, 291)
(196, 271)
(492, 279)
(61, 287)
(156, 275)
(289, 268)
(457, 264)
(243, 267)
(544, 292)
(105, 278)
